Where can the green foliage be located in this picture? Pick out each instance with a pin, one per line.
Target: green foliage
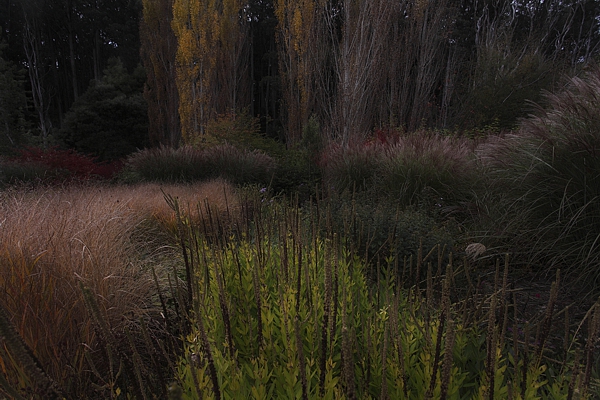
(282, 313)
(312, 138)
(380, 227)
(504, 80)
(239, 129)
(296, 174)
(20, 172)
(110, 119)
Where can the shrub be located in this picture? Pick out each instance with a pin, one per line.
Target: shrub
(54, 165)
(12, 172)
(109, 120)
(296, 174)
(379, 227)
(239, 129)
(547, 177)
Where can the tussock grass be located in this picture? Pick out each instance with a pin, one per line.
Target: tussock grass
(544, 182)
(75, 260)
(443, 165)
(409, 168)
(351, 167)
(52, 242)
(217, 196)
(165, 164)
(189, 164)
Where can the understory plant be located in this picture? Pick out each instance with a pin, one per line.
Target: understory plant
(280, 311)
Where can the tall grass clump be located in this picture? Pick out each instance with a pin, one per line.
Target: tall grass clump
(215, 198)
(350, 167)
(77, 295)
(239, 165)
(427, 166)
(411, 169)
(166, 164)
(547, 181)
(189, 164)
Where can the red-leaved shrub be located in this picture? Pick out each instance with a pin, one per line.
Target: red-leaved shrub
(66, 165)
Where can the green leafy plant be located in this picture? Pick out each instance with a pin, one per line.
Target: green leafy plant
(283, 312)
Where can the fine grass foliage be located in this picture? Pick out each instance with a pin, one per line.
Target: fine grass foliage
(547, 178)
(165, 164)
(408, 168)
(352, 167)
(84, 272)
(188, 164)
(422, 164)
(218, 196)
(54, 242)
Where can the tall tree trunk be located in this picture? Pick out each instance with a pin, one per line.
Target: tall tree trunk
(359, 66)
(72, 51)
(36, 76)
(158, 52)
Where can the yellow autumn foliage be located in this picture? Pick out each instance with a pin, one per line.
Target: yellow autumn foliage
(209, 39)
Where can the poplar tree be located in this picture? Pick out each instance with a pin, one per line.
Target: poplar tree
(233, 85)
(359, 67)
(158, 52)
(212, 62)
(195, 26)
(13, 103)
(302, 47)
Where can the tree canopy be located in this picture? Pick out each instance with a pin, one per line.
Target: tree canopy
(353, 65)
